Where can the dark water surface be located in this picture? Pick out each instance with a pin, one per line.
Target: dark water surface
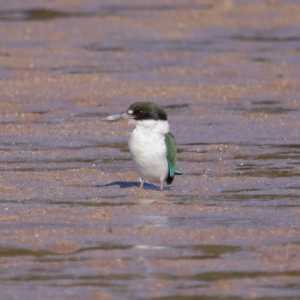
(73, 222)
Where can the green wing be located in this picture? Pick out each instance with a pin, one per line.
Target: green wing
(171, 157)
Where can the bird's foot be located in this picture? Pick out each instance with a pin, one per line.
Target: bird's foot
(142, 183)
(161, 186)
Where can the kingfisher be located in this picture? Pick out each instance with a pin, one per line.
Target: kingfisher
(153, 148)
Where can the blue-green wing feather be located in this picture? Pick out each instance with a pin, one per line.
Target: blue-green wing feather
(171, 157)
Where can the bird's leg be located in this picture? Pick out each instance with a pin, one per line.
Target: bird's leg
(142, 183)
(161, 186)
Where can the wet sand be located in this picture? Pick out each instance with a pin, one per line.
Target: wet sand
(73, 222)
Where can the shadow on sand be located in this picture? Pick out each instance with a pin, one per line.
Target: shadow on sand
(126, 185)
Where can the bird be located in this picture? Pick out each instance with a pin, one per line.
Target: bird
(153, 148)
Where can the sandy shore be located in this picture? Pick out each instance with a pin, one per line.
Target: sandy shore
(75, 225)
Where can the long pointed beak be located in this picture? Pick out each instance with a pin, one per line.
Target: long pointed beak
(116, 117)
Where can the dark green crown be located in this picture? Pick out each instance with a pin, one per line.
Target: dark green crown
(146, 111)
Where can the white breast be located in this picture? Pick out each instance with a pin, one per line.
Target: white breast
(148, 150)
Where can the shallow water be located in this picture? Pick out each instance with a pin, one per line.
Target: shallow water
(75, 225)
